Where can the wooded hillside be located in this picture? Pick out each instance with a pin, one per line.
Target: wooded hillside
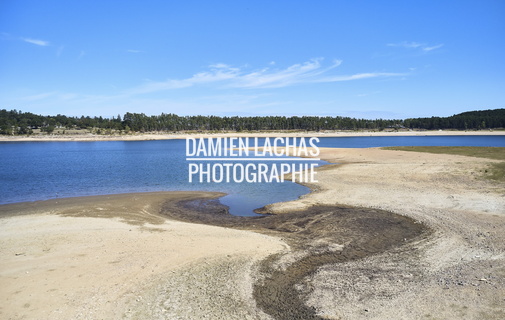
(15, 122)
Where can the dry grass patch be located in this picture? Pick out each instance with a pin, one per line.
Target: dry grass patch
(496, 171)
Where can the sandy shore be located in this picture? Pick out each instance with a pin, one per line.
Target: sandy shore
(98, 257)
(458, 272)
(114, 256)
(158, 136)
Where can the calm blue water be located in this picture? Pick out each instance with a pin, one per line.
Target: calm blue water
(404, 141)
(32, 171)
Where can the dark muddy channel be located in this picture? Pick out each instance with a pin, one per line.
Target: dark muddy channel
(324, 234)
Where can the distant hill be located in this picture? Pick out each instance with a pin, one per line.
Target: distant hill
(15, 122)
(471, 120)
(483, 113)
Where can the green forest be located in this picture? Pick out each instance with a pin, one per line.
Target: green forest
(15, 122)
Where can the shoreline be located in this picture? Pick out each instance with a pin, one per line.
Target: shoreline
(447, 193)
(317, 243)
(99, 256)
(454, 271)
(159, 136)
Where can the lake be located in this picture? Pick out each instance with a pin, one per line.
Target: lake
(31, 171)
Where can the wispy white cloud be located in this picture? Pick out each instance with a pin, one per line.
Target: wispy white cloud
(360, 76)
(405, 44)
(221, 76)
(368, 94)
(298, 73)
(40, 96)
(37, 42)
(226, 76)
(433, 47)
(416, 45)
(76, 104)
(6, 36)
(217, 73)
(56, 96)
(220, 66)
(134, 51)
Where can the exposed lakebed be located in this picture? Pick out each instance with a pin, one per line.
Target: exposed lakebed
(318, 236)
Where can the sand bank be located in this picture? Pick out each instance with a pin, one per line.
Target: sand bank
(159, 136)
(457, 272)
(65, 260)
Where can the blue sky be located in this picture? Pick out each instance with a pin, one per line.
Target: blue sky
(367, 59)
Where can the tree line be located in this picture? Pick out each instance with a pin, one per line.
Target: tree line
(15, 122)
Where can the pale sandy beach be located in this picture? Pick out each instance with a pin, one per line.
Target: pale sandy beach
(457, 272)
(99, 258)
(160, 136)
(116, 257)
